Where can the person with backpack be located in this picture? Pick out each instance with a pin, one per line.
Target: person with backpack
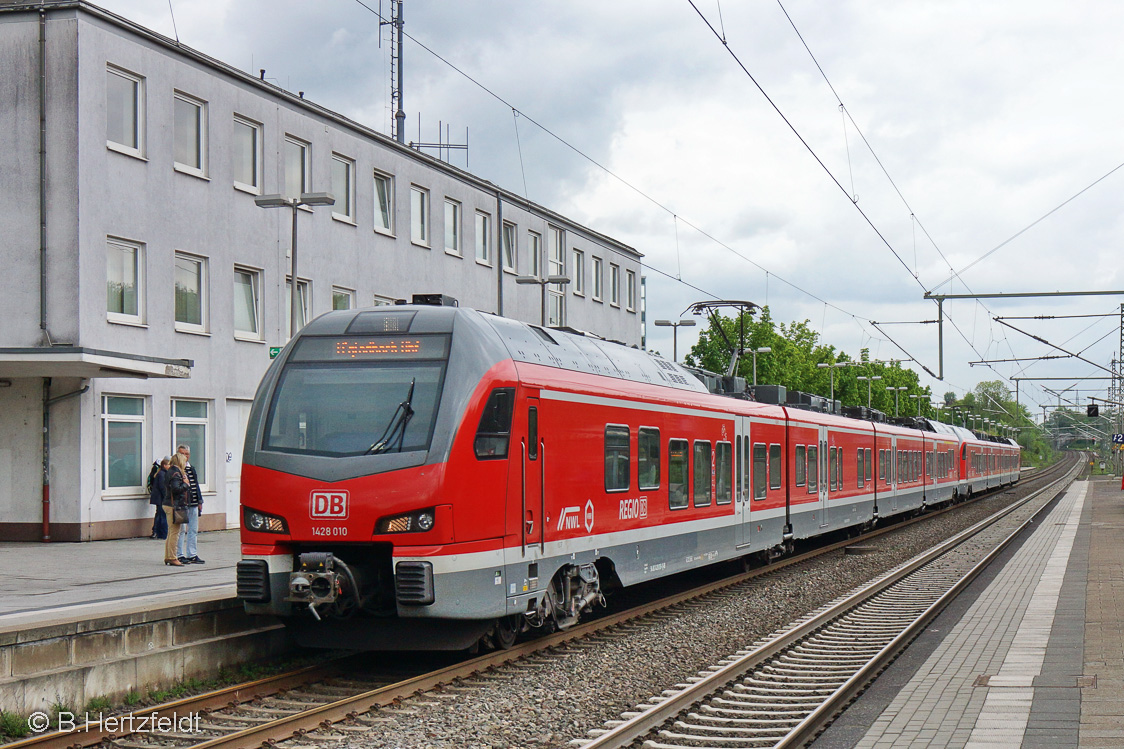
(157, 492)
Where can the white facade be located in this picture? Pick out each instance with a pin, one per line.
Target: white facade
(155, 262)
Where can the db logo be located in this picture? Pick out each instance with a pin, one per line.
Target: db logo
(328, 505)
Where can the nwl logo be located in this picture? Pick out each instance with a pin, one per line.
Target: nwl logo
(328, 505)
(570, 519)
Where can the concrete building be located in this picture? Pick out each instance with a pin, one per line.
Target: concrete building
(142, 287)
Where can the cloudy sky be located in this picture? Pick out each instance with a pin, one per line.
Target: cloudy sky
(637, 121)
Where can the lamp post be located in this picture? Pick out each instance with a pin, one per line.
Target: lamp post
(831, 367)
(869, 382)
(756, 351)
(675, 326)
(918, 398)
(897, 390)
(543, 283)
(278, 201)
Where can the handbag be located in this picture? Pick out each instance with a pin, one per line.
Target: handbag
(179, 515)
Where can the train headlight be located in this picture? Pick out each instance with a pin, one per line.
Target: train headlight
(261, 522)
(419, 521)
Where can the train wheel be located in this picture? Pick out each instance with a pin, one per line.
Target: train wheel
(507, 629)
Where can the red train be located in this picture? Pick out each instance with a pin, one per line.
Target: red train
(428, 477)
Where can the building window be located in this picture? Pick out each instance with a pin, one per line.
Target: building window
(510, 246)
(534, 253)
(343, 188)
(598, 280)
(247, 304)
(342, 298)
(189, 427)
(614, 285)
(190, 134)
(579, 272)
(296, 166)
(384, 203)
(452, 227)
(382, 301)
(123, 444)
(419, 216)
(302, 300)
(191, 293)
(246, 155)
(630, 288)
(124, 102)
(124, 281)
(556, 255)
(483, 238)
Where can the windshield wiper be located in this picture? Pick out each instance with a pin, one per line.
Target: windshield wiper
(396, 430)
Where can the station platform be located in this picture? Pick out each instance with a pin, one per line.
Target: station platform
(59, 583)
(1031, 655)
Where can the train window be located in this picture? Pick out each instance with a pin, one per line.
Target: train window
(869, 467)
(702, 474)
(881, 465)
(648, 457)
(677, 474)
(738, 465)
(617, 461)
(833, 461)
(760, 470)
(775, 464)
(860, 464)
(723, 489)
(533, 433)
(495, 425)
(813, 469)
(929, 464)
(801, 464)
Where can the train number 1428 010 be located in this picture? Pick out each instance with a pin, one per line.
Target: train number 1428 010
(328, 530)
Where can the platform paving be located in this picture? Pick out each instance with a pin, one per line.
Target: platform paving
(63, 582)
(1034, 655)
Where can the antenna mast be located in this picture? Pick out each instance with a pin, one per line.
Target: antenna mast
(398, 129)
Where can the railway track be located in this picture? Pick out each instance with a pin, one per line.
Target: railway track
(330, 698)
(785, 690)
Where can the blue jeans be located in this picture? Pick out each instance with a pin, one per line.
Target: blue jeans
(188, 533)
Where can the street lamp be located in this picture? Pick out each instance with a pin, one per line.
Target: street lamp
(897, 390)
(869, 381)
(279, 201)
(675, 326)
(543, 282)
(918, 398)
(831, 367)
(756, 351)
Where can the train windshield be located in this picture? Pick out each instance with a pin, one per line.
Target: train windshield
(352, 396)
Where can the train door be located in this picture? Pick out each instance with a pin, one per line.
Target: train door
(743, 490)
(825, 476)
(529, 491)
(892, 474)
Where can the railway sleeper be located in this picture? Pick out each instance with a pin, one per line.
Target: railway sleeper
(734, 730)
(776, 722)
(795, 712)
(747, 741)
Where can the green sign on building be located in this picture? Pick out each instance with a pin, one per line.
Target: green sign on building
(274, 351)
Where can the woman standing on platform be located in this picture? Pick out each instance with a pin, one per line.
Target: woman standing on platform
(178, 489)
(158, 492)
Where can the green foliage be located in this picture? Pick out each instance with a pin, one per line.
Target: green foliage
(793, 362)
(133, 698)
(98, 704)
(12, 725)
